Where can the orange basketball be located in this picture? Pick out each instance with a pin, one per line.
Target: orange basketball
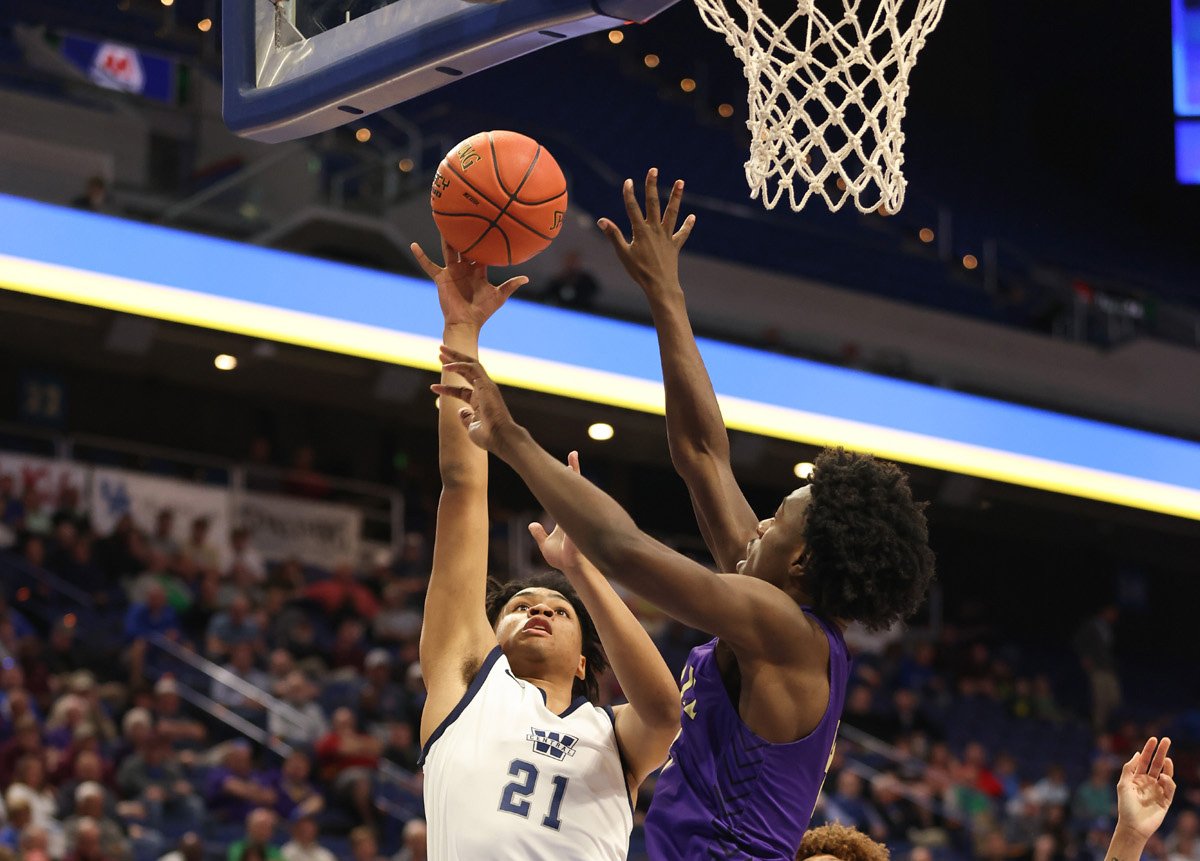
(499, 198)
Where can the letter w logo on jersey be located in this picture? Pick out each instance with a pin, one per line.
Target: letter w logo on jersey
(552, 744)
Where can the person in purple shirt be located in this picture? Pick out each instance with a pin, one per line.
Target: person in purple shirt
(761, 701)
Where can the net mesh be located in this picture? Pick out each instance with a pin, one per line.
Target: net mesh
(827, 93)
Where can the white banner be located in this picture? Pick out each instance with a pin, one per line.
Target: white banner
(49, 478)
(117, 491)
(316, 532)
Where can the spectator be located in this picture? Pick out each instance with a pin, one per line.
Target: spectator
(1183, 843)
(64, 653)
(136, 728)
(189, 848)
(348, 651)
(89, 768)
(413, 842)
(244, 557)
(35, 844)
(341, 597)
(163, 538)
(1095, 799)
(234, 789)
(29, 785)
(20, 815)
(303, 479)
(346, 759)
(309, 724)
(155, 777)
(241, 666)
(89, 809)
(295, 793)
(170, 719)
(363, 844)
(1094, 644)
(847, 806)
(280, 666)
(402, 747)
(142, 621)
(299, 638)
(380, 699)
(397, 622)
(200, 548)
(304, 846)
(26, 741)
(95, 197)
(257, 844)
(159, 571)
(1052, 790)
(232, 628)
(573, 286)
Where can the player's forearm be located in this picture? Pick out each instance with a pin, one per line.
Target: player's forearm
(640, 670)
(695, 427)
(1126, 845)
(460, 461)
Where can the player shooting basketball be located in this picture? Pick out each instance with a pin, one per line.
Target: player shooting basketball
(761, 701)
(518, 763)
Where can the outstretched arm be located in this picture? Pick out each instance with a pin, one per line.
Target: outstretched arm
(1144, 795)
(754, 617)
(455, 635)
(648, 723)
(695, 428)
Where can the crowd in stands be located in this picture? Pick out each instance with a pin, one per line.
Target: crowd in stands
(202, 702)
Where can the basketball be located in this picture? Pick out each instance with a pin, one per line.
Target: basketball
(499, 198)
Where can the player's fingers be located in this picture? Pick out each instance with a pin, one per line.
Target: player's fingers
(1167, 784)
(449, 354)
(466, 416)
(430, 268)
(1146, 756)
(652, 213)
(671, 213)
(538, 532)
(682, 234)
(636, 220)
(615, 238)
(573, 461)
(1160, 757)
(511, 286)
(449, 254)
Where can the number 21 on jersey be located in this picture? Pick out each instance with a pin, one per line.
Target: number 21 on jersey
(515, 797)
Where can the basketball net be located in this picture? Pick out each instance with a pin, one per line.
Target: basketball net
(827, 93)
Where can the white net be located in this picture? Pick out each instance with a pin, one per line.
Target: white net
(827, 93)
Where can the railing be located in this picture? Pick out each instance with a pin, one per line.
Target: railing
(382, 507)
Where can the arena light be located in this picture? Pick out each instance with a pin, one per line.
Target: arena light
(406, 165)
(362, 135)
(601, 431)
(261, 293)
(688, 85)
(725, 109)
(204, 25)
(970, 261)
(927, 235)
(225, 362)
(651, 61)
(616, 37)
(803, 471)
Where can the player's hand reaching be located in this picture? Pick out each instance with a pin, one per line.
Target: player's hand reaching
(557, 548)
(651, 257)
(1145, 789)
(485, 415)
(464, 292)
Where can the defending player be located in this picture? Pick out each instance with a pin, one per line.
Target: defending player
(853, 547)
(518, 763)
(761, 701)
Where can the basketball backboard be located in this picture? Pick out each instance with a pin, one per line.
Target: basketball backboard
(297, 67)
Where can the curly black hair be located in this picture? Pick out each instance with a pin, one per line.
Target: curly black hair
(498, 594)
(841, 842)
(867, 555)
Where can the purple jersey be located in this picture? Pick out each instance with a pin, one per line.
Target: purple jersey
(725, 793)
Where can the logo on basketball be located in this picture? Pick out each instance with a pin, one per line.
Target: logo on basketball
(552, 744)
(467, 157)
(558, 219)
(440, 184)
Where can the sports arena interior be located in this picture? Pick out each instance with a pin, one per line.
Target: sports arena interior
(215, 536)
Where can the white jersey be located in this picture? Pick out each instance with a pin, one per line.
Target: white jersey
(506, 779)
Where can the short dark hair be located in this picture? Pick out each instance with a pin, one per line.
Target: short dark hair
(867, 553)
(840, 842)
(597, 662)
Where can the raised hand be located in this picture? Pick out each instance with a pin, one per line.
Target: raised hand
(557, 548)
(651, 257)
(1146, 788)
(485, 415)
(464, 292)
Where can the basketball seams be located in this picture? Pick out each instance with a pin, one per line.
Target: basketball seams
(475, 189)
(515, 196)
